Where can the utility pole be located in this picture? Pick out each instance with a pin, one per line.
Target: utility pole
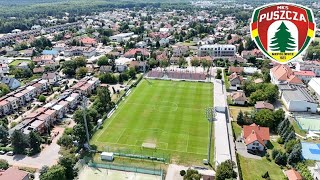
(84, 107)
(210, 115)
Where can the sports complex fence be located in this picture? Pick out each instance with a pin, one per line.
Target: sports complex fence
(157, 172)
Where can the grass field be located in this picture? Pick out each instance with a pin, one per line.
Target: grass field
(167, 113)
(252, 169)
(17, 62)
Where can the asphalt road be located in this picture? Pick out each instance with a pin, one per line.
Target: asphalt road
(48, 156)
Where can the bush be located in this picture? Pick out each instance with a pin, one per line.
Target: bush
(265, 175)
(4, 164)
(268, 157)
(6, 149)
(13, 124)
(274, 153)
(280, 140)
(182, 172)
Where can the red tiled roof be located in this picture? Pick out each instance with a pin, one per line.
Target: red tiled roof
(293, 175)
(263, 105)
(254, 137)
(13, 174)
(3, 103)
(88, 40)
(260, 132)
(238, 96)
(132, 52)
(305, 73)
(294, 80)
(282, 72)
(235, 69)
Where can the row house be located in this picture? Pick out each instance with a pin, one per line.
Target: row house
(43, 60)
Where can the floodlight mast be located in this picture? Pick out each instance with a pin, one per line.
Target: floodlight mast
(210, 115)
(84, 107)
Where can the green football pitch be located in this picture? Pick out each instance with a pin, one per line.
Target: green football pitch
(168, 114)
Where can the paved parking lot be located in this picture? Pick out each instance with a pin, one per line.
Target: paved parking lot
(48, 156)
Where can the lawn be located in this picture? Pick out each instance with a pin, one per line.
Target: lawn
(236, 129)
(226, 80)
(252, 169)
(234, 111)
(317, 39)
(168, 114)
(16, 62)
(297, 129)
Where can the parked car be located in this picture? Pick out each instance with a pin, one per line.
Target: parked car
(10, 153)
(2, 152)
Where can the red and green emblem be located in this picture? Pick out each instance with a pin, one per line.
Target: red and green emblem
(282, 31)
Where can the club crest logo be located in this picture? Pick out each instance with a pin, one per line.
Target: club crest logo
(282, 31)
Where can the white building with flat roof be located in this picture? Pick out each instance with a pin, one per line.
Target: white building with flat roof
(120, 37)
(314, 86)
(217, 50)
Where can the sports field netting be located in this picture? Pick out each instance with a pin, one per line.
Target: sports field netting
(308, 121)
(169, 114)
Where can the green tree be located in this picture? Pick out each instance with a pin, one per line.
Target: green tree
(69, 68)
(3, 135)
(103, 61)
(219, 72)
(225, 171)
(295, 156)
(195, 62)
(19, 142)
(192, 175)
(281, 159)
(65, 141)
(4, 164)
(54, 173)
(68, 162)
(4, 89)
(103, 101)
(182, 62)
(81, 72)
(153, 63)
(157, 44)
(42, 98)
(229, 37)
(241, 48)
(34, 142)
(282, 40)
(132, 72)
(80, 61)
(240, 119)
(264, 118)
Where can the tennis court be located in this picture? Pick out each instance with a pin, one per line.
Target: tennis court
(308, 121)
(311, 151)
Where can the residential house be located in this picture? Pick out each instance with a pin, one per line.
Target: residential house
(60, 111)
(59, 47)
(4, 69)
(293, 175)
(73, 100)
(38, 70)
(256, 137)
(297, 98)
(43, 59)
(263, 105)
(313, 66)
(21, 98)
(12, 83)
(23, 65)
(305, 76)
(52, 52)
(89, 52)
(14, 102)
(179, 51)
(233, 69)
(140, 66)
(235, 81)
(282, 74)
(52, 77)
(252, 53)
(13, 173)
(238, 98)
(141, 45)
(122, 63)
(5, 107)
(87, 41)
(132, 53)
(38, 125)
(52, 114)
(105, 69)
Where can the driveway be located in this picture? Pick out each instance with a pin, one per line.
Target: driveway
(48, 156)
(242, 150)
